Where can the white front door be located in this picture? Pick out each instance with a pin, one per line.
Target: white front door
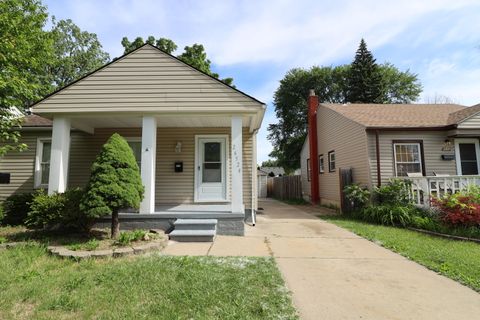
(210, 177)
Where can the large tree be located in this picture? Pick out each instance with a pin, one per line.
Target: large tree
(364, 79)
(332, 85)
(77, 53)
(114, 183)
(25, 49)
(194, 55)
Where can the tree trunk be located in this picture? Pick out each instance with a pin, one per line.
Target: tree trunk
(115, 224)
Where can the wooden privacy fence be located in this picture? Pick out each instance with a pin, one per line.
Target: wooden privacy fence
(346, 178)
(285, 188)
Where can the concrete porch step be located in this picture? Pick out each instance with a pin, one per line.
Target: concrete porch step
(194, 230)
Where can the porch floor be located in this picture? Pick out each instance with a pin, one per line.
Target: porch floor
(173, 208)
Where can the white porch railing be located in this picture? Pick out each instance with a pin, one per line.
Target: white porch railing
(423, 189)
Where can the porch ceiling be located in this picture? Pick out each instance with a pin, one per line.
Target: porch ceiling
(168, 121)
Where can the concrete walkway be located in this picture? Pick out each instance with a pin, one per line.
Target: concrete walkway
(334, 274)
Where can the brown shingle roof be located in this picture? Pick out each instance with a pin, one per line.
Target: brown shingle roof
(33, 120)
(463, 114)
(399, 115)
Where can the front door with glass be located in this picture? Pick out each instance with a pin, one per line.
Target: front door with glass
(210, 175)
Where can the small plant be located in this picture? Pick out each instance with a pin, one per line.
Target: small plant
(91, 244)
(127, 237)
(75, 247)
(3, 239)
(357, 195)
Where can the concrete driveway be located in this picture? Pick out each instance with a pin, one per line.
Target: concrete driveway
(334, 274)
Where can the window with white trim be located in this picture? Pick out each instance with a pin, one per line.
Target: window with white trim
(331, 161)
(42, 162)
(408, 158)
(321, 164)
(135, 144)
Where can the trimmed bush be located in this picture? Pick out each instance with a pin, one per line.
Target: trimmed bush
(114, 183)
(1, 212)
(16, 208)
(58, 211)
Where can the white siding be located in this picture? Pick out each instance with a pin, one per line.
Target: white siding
(432, 144)
(349, 141)
(470, 123)
(146, 79)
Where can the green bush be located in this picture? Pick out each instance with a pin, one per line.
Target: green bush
(395, 192)
(114, 183)
(357, 195)
(16, 208)
(59, 211)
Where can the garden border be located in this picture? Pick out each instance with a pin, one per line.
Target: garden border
(443, 235)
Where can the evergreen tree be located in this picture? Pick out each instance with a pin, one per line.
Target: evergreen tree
(114, 183)
(364, 79)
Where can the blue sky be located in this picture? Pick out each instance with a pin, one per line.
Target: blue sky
(257, 42)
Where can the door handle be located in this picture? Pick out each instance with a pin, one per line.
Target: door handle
(198, 168)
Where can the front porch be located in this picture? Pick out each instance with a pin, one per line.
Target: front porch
(422, 189)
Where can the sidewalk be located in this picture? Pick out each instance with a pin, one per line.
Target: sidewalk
(335, 274)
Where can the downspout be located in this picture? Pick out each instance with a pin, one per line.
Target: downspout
(254, 176)
(377, 150)
(312, 103)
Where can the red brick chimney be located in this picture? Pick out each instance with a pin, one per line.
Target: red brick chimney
(312, 103)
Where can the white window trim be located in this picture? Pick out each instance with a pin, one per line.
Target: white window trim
(407, 144)
(330, 153)
(37, 178)
(457, 153)
(321, 163)
(226, 171)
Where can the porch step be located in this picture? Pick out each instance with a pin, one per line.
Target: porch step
(194, 230)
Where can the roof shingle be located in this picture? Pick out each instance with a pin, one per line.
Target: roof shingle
(400, 115)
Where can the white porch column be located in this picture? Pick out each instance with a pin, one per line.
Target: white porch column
(149, 150)
(57, 178)
(237, 165)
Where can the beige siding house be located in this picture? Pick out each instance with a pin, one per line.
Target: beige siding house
(379, 142)
(193, 136)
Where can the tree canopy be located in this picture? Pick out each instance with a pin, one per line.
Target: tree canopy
(114, 183)
(35, 61)
(194, 55)
(76, 53)
(364, 78)
(332, 84)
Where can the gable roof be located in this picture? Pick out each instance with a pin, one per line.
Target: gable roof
(403, 115)
(145, 80)
(276, 170)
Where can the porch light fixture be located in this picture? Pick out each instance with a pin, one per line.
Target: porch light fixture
(178, 147)
(447, 145)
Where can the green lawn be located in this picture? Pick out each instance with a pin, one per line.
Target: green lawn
(458, 260)
(34, 285)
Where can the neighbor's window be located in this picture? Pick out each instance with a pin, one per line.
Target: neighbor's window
(321, 164)
(42, 162)
(136, 146)
(331, 161)
(309, 170)
(407, 158)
